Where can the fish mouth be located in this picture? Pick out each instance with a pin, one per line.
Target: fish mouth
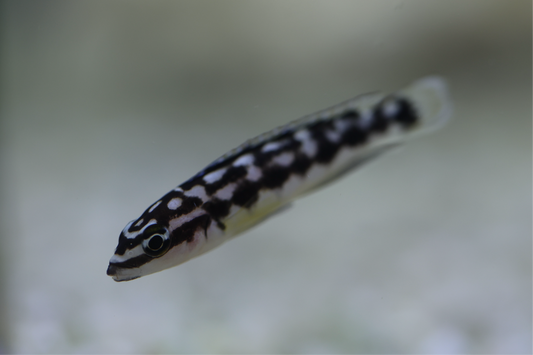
(120, 274)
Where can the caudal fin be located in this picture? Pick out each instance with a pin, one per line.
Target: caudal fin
(431, 100)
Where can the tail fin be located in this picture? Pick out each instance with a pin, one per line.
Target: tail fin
(432, 102)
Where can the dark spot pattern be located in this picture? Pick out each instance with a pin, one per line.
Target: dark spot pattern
(233, 174)
(246, 193)
(261, 159)
(188, 204)
(301, 164)
(275, 176)
(185, 232)
(406, 115)
(217, 208)
(354, 136)
(124, 244)
(379, 123)
(249, 146)
(192, 182)
(326, 149)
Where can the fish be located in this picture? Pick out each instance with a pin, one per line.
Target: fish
(265, 174)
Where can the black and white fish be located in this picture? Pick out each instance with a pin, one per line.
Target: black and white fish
(259, 177)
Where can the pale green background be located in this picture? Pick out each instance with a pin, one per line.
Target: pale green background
(107, 105)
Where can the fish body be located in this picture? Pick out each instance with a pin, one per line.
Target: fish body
(264, 174)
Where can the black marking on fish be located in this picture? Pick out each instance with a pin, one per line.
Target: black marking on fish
(246, 194)
(217, 208)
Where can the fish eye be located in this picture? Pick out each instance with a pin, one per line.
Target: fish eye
(157, 243)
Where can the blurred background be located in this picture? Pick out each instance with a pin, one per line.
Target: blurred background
(107, 105)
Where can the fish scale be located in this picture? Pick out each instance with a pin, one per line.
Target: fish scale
(256, 179)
